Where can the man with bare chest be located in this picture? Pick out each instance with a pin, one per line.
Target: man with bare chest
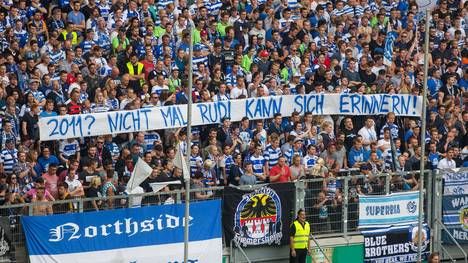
(42, 209)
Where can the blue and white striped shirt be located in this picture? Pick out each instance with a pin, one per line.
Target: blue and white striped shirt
(193, 163)
(104, 10)
(214, 8)
(257, 163)
(272, 155)
(197, 60)
(8, 158)
(87, 45)
(150, 138)
(290, 154)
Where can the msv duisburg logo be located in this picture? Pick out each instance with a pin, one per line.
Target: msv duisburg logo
(411, 206)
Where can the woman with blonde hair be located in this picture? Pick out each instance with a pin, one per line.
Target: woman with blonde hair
(297, 170)
(100, 103)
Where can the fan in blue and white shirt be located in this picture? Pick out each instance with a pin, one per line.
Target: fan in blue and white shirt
(150, 138)
(8, 157)
(68, 148)
(21, 34)
(272, 153)
(311, 158)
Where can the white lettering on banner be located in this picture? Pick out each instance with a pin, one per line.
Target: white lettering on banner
(461, 235)
(174, 116)
(460, 201)
(131, 227)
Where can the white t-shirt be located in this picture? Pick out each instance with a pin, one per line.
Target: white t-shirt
(385, 143)
(446, 164)
(368, 134)
(73, 184)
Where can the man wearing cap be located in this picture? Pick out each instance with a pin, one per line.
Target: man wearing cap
(198, 58)
(136, 72)
(38, 95)
(296, 149)
(120, 42)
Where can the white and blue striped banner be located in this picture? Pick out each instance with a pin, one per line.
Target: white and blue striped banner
(456, 183)
(388, 210)
(144, 235)
(388, 50)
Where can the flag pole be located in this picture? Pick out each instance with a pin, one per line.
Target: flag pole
(423, 136)
(189, 134)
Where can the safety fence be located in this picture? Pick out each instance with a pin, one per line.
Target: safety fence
(331, 203)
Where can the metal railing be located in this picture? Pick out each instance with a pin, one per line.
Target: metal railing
(453, 240)
(340, 221)
(338, 215)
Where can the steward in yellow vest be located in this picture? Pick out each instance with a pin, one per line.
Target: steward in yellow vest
(136, 73)
(299, 238)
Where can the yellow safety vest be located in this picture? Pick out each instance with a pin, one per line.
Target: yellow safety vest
(301, 238)
(139, 70)
(74, 35)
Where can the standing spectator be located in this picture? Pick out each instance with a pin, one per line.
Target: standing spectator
(280, 172)
(51, 180)
(8, 157)
(40, 197)
(249, 177)
(447, 162)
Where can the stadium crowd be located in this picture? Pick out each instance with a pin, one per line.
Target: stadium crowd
(71, 57)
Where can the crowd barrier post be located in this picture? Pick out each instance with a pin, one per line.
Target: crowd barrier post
(345, 206)
(299, 196)
(388, 178)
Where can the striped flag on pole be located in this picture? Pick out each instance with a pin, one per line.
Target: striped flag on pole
(388, 51)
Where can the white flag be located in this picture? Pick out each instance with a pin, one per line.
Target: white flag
(179, 162)
(141, 171)
(160, 185)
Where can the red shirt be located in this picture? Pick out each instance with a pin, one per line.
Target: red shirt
(286, 177)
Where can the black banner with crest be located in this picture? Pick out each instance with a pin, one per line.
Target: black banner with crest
(258, 217)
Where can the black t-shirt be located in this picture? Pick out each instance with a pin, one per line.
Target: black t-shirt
(31, 126)
(84, 174)
(349, 136)
(367, 78)
(376, 48)
(92, 192)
